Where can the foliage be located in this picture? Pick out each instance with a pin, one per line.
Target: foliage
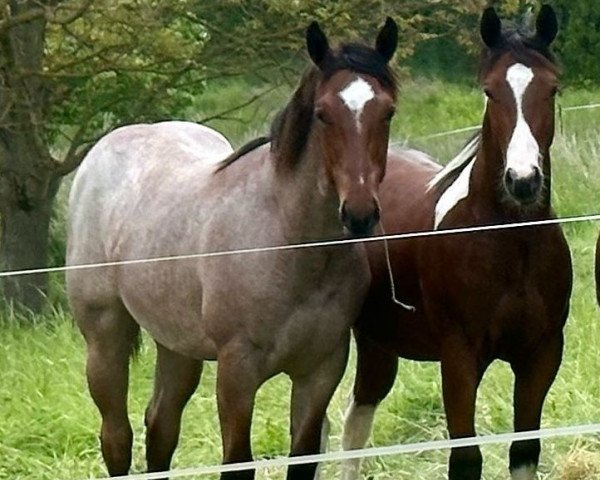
(107, 63)
(130, 61)
(138, 60)
(579, 38)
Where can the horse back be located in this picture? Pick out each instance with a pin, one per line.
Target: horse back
(406, 204)
(116, 185)
(125, 165)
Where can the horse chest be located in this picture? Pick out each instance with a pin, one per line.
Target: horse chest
(289, 304)
(490, 284)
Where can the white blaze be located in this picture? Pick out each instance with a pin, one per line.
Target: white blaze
(523, 150)
(356, 95)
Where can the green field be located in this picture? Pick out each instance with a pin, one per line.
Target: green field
(49, 425)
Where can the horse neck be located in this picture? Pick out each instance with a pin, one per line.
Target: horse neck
(308, 203)
(487, 195)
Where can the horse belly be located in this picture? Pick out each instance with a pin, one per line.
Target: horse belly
(166, 301)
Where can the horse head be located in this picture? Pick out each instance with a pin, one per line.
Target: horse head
(520, 81)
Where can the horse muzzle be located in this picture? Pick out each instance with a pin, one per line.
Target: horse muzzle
(359, 222)
(524, 189)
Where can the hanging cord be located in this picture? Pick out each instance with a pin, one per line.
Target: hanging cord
(410, 308)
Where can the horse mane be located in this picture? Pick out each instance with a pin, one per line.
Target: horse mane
(522, 45)
(291, 127)
(243, 150)
(447, 175)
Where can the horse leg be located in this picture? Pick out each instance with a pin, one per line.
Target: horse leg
(461, 375)
(324, 442)
(533, 377)
(237, 383)
(311, 394)
(376, 370)
(111, 336)
(176, 379)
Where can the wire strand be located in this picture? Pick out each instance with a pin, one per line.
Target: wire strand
(448, 133)
(299, 246)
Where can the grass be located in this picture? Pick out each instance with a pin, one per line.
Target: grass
(49, 426)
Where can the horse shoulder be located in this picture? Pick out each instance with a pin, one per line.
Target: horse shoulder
(406, 201)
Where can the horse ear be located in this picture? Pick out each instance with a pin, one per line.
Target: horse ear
(316, 43)
(491, 28)
(546, 25)
(387, 39)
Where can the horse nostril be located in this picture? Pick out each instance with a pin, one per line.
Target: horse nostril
(343, 213)
(376, 214)
(509, 177)
(537, 178)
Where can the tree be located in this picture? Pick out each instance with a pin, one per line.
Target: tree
(578, 40)
(70, 70)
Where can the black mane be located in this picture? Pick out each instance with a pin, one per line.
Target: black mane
(524, 47)
(450, 173)
(243, 150)
(360, 59)
(291, 127)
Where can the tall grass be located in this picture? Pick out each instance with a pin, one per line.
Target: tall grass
(49, 426)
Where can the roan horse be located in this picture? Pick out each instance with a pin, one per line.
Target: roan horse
(480, 296)
(153, 190)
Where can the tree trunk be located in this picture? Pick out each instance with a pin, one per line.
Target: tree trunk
(28, 183)
(24, 245)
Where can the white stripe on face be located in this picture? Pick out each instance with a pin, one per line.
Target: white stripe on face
(523, 150)
(356, 95)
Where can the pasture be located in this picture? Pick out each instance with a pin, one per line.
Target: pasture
(49, 424)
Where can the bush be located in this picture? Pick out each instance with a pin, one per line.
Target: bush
(579, 39)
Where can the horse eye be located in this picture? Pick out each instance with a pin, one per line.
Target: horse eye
(554, 91)
(322, 117)
(488, 93)
(390, 115)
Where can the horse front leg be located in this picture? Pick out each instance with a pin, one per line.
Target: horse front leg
(237, 383)
(311, 394)
(534, 374)
(461, 375)
(376, 370)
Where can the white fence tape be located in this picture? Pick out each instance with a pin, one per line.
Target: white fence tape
(581, 107)
(579, 430)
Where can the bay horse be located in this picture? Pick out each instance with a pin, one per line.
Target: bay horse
(480, 296)
(147, 191)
